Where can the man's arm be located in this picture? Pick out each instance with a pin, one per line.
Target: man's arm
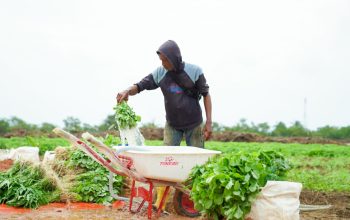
(147, 83)
(207, 127)
(124, 95)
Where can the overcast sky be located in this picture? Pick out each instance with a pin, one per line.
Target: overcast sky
(262, 59)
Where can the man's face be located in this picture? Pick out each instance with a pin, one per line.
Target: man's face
(165, 62)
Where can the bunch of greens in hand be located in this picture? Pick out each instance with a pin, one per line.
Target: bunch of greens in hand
(125, 116)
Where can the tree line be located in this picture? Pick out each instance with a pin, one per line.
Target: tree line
(16, 125)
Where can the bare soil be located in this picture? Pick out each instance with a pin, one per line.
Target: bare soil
(156, 133)
(5, 165)
(228, 136)
(340, 210)
(340, 202)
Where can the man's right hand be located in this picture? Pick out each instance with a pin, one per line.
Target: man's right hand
(123, 96)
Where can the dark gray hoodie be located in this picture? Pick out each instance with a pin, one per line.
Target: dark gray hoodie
(182, 109)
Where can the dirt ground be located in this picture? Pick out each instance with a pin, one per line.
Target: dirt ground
(340, 210)
(5, 165)
(340, 202)
(156, 133)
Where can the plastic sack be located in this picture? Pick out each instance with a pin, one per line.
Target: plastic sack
(4, 154)
(278, 200)
(25, 153)
(133, 137)
(49, 156)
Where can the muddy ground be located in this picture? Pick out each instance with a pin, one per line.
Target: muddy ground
(340, 210)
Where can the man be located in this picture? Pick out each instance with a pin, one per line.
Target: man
(182, 85)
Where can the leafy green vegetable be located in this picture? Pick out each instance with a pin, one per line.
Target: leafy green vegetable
(91, 184)
(26, 185)
(227, 185)
(111, 140)
(81, 160)
(125, 116)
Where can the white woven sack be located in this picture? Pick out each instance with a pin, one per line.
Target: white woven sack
(278, 200)
(26, 154)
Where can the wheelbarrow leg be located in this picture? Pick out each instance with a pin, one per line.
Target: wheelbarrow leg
(150, 198)
(162, 201)
(146, 195)
(132, 195)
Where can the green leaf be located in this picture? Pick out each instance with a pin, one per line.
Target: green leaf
(237, 186)
(255, 174)
(229, 184)
(218, 200)
(253, 187)
(238, 213)
(246, 178)
(209, 179)
(208, 204)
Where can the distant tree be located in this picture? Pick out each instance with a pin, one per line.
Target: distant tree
(263, 128)
(72, 124)
(242, 126)
(89, 128)
(330, 132)
(108, 123)
(345, 132)
(4, 126)
(280, 130)
(19, 124)
(297, 130)
(216, 127)
(47, 127)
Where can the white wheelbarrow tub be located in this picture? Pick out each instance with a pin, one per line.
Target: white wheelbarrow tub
(168, 163)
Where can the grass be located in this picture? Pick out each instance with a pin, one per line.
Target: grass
(318, 167)
(44, 144)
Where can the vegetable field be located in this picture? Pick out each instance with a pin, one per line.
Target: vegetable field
(318, 167)
(323, 169)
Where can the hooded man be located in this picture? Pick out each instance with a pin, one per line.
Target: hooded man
(182, 85)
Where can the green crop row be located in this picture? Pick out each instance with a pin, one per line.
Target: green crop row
(318, 167)
(44, 144)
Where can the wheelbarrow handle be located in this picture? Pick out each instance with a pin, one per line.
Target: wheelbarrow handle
(112, 156)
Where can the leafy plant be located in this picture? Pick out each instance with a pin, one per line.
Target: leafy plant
(91, 184)
(26, 185)
(32, 141)
(125, 116)
(227, 185)
(81, 160)
(111, 140)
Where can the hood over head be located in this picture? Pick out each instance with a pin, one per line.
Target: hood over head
(172, 52)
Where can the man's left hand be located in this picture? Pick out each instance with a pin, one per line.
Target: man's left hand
(207, 130)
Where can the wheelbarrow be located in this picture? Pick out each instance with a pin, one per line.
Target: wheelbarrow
(151, 165)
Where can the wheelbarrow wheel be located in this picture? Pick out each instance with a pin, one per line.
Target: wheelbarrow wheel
(183, 205)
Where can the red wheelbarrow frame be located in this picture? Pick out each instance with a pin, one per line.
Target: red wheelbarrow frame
(124, 164)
